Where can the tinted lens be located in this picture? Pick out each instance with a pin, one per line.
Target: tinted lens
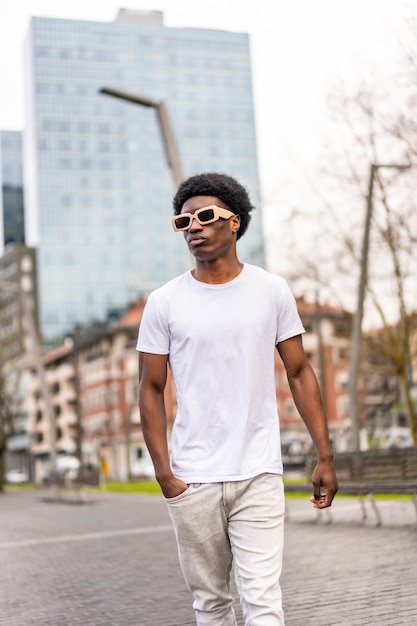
(182, 221)
(206, 216)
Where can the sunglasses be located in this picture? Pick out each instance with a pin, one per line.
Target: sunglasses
(205, 215)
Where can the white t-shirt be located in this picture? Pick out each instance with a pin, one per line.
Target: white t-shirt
(221, 344)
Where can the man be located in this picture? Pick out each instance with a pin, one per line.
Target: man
(217, 326)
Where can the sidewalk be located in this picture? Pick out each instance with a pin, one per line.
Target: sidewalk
(114, 563)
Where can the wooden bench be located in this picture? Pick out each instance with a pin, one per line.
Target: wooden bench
(75, 481)
(371, 472)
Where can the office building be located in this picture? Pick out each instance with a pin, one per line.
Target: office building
(97, 185)
(11, 183)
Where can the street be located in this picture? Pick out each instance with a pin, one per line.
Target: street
(113, 562)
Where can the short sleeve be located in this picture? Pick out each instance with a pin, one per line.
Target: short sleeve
(153, 334)
(288, 320)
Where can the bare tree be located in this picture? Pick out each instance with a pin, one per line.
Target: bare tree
(369, 125)
(6, 422)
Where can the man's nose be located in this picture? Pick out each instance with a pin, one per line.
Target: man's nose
(195, 224)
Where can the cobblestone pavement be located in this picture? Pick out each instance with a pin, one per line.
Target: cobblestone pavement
(113, 562)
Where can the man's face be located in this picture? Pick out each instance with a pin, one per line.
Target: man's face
(209, 241)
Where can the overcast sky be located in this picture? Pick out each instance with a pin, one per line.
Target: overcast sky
(298, 48)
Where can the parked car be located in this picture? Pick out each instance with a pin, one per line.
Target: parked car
(64, 464)
(295, 452)
(142, 469)
(67, 462)
(16, 476)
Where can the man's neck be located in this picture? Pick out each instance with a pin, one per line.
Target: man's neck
(217, 272)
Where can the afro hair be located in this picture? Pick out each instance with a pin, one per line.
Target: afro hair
(227, 189)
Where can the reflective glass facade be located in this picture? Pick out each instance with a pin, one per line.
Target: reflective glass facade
(98, 188)
(11, 201)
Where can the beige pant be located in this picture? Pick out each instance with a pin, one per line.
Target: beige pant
(239, 523)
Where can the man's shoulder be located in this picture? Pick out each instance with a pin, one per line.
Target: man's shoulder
(170, 287)
(259, 273)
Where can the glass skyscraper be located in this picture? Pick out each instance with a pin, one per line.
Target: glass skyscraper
(11, 180)
(98, 189)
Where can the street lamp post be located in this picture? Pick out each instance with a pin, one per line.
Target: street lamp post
(170, 148)
(27, 308)
(355, 356)
(174, 164)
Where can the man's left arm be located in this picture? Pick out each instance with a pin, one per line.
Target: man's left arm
(307, 398)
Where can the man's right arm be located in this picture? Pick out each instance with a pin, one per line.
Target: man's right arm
(152, 381)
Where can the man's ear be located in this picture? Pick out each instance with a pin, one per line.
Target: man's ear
(235, 223)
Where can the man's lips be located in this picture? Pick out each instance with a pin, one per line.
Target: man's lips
(196, 240)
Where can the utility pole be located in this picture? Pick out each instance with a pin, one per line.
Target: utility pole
(355, 355)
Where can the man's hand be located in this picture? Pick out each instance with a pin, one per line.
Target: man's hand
(324, 484)
(172, 486)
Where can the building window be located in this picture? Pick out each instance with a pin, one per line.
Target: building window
(104, 146)
(65, 144)
(65, 53)
(64, 126)
(342, 407)
(41, 52)
(103, 128)
(342, 380)
(82, 90)
(42, 88)
(65, 164)
(343, 354)
(290, 408)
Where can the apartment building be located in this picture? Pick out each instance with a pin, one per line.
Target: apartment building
(18, 300)
(92, 379)
(98, 190)
(327, 346)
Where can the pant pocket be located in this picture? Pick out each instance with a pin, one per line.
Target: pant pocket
(181, 495)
